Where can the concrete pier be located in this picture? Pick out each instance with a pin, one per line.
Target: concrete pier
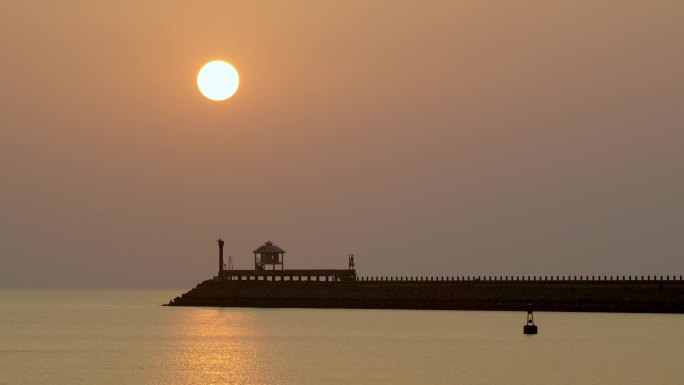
(269, 284)
(651, 296)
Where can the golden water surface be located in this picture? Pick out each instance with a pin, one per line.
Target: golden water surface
(125, 337)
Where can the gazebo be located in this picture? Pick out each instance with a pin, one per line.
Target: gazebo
(268, 254)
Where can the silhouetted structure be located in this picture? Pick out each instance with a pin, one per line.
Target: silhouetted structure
(342, 288)
(221, 264)
(268, 254)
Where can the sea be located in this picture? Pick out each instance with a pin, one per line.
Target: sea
(125, 336)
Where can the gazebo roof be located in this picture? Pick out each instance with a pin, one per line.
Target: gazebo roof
(268, 248)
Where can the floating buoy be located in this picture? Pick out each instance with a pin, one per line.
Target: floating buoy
(530, 327)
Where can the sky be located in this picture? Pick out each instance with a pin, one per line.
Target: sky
(461, 137)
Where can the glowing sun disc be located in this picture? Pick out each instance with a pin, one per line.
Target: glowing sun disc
(218, 80)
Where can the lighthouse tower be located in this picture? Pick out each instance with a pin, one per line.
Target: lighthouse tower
(221, 264)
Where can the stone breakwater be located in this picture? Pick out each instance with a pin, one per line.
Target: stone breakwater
(639, 296)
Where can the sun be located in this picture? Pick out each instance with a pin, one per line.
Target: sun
(218, 80)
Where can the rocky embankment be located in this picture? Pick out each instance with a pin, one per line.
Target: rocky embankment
(598, 296)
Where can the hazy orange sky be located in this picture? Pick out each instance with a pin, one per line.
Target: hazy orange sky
(427, 137)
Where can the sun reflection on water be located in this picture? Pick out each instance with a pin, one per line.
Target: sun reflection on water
(212, 346)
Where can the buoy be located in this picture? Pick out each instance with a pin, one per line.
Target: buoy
(530, 327)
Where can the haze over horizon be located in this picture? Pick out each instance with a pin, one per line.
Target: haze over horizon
(427, 138)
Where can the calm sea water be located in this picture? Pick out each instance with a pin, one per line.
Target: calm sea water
(125, 337)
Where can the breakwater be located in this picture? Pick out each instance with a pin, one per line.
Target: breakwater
(656, 294)
(269, 284)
